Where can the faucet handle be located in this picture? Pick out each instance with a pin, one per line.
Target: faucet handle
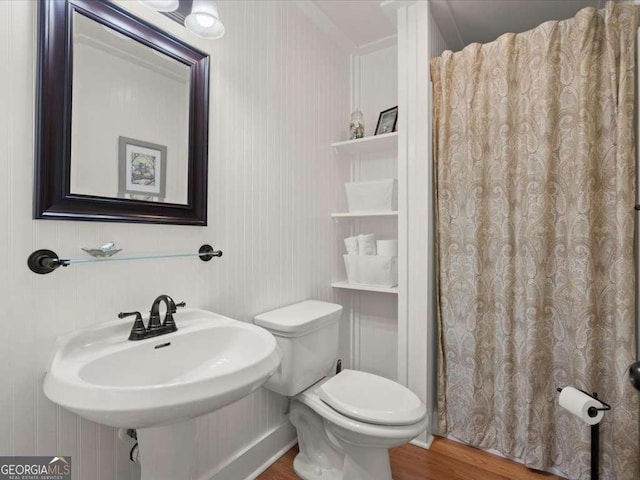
(138, 332)
(181, 304)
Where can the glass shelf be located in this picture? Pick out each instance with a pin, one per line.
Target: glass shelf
(46, 261)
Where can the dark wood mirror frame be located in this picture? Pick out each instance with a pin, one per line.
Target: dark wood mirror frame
(52, 196)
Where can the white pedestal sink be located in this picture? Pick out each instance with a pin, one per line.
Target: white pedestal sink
(159, 385)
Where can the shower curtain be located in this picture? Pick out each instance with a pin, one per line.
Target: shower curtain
(534, 166)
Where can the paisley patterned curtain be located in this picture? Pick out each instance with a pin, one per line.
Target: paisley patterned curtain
(534, 165)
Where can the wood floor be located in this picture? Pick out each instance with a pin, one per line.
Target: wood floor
(446, 460)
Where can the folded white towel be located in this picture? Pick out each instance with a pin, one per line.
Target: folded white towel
(351, 244)
(367, 244)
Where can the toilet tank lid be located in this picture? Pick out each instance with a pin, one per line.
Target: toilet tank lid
(299, 317)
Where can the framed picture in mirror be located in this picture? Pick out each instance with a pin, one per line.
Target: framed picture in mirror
(142, 170)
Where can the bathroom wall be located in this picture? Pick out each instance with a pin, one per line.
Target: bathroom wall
(378, 84)
(279, 96)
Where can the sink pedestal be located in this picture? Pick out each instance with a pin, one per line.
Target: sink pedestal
(168, 452)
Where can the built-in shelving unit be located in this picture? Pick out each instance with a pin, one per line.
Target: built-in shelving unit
(368, 288)
(365, 214)
(384, 143)
(372, 330)
(386, 146)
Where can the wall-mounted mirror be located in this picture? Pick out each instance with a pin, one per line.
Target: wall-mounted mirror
(122, 118)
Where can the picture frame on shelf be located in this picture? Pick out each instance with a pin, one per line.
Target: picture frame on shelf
(142, 170)
(387, 121)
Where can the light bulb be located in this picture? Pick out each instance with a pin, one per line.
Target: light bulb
(205, 20)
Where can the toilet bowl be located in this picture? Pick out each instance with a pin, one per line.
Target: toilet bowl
(335, 446)
(347, 422)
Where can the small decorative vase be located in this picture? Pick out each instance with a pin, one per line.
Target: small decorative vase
(356, 127)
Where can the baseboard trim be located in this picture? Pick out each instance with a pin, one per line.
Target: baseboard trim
(255, 458)
(419, 443)
(274, 458)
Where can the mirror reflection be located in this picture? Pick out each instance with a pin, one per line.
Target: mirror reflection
(130, 118)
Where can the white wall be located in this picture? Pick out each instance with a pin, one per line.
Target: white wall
(378, 84)
(279, 96)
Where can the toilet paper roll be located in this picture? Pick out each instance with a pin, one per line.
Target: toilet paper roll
(367, 244)
(387, 248)
(351, 244)
(578, 403)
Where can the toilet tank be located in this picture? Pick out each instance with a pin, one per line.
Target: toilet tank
(307, 334)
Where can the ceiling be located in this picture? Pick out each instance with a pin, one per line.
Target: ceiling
(362, 21)
(461, 21)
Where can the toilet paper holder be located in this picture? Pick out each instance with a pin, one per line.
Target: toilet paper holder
(593, 411)
(595, 432)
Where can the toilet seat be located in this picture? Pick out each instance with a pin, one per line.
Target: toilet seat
(384, 433)
(371, 399)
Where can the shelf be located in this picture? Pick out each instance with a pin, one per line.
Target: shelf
(386, 143)
(365, 214)
(366, 288)
(46, 261)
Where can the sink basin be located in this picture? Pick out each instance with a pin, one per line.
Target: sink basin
(210, 362)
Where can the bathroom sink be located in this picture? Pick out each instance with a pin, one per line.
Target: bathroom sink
(210, 362)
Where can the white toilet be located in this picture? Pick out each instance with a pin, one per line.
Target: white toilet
(346, 423)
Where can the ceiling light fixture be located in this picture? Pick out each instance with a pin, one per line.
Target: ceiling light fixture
(204, 20)
(161, 5)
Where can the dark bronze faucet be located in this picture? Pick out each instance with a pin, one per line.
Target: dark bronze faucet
(154, 327)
